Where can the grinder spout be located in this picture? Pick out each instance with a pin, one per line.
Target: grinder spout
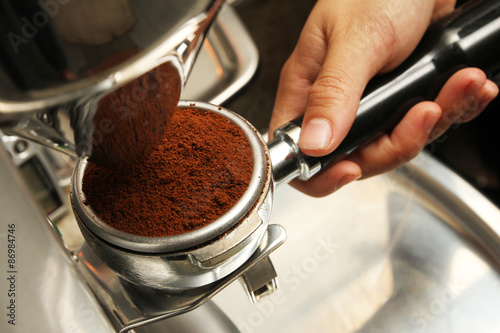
(60, 59)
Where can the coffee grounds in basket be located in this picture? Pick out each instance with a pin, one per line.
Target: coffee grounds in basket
(201, 168)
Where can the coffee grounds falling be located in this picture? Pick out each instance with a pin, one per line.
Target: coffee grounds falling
(199, 170)
(130, 120)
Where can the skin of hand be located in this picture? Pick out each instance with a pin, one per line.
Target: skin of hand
(344, 44)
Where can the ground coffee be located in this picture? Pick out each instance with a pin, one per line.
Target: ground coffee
(199, 170)
(130, 120)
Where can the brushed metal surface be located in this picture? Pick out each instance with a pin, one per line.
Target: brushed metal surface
(415, 250)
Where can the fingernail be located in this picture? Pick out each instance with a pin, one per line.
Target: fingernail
(346, 180)
(430, 120)
(317, 134)
(488, 92)
(480, 101)
(473, 88)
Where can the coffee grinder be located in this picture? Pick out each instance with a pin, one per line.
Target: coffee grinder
(136, 281)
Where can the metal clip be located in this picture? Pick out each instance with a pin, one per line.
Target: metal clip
(260, 280)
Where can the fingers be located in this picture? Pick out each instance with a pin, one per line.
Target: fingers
(462, 98)
(443, 8)
(339, 51)
(384, 154)
(330, 179)
(333, 101)
(333, 98)
(314, 81)
(407, 139)
(483, 97)
(292, 93)
(298, 74)
(426, 121)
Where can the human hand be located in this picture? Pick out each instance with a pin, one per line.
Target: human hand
(343, 45)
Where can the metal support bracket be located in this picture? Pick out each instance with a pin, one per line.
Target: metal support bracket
(129, 307)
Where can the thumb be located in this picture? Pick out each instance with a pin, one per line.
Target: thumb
(334, 97)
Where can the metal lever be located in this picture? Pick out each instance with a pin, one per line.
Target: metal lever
(260, 280)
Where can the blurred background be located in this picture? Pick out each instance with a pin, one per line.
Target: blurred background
(469, 149)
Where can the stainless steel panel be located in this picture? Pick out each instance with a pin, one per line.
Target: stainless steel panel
(226, 62)
(48, 294)
(411, 251)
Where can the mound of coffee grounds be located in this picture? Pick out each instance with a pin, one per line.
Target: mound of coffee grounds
(199, 170)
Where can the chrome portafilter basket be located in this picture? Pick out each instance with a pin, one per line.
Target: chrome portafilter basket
(196, 258)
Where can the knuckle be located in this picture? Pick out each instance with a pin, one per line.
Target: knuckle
(328, 88)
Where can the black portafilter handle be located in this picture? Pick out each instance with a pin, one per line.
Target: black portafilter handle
(469, 37)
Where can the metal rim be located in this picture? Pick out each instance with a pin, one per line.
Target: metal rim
(199, 236)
